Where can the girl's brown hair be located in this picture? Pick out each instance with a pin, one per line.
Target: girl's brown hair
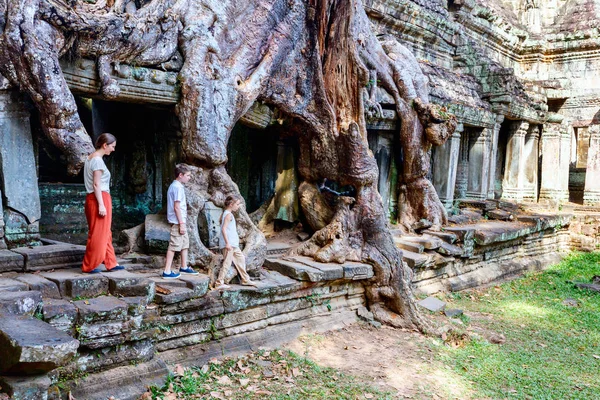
(230, 200)
(105, 138)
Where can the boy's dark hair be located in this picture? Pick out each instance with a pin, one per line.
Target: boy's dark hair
(105, 138)
(181, 169)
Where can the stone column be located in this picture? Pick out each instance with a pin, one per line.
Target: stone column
(462, 170)
(2, 242)
(591, 194)
(479, 164)
(445, 167)
(531, 160)
(552, 189)
(286, 185)
(494, 155)
(565, 161)
(512, 184)
(18, 173)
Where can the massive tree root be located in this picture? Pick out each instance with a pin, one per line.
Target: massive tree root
(312, 59)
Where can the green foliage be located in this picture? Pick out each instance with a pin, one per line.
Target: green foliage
(552, 349)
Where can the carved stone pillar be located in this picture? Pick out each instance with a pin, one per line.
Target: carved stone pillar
(591, 194)
(494, 155)
(565, 160)
(462, 170)
(553, 189)
(445, 167)
(18, 173)
(479, 163)
(531, 159)
(512, 184)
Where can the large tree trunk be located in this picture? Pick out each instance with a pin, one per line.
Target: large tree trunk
(315, 60)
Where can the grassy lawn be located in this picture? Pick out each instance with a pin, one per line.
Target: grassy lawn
(552, 347)
(274, 375)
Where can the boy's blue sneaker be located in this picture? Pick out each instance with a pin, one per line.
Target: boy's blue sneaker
(172, 275)
(188, 271)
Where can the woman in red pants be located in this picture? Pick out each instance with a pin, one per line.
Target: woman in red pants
(98, 208)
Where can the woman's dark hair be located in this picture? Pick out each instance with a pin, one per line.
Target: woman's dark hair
(105, 138)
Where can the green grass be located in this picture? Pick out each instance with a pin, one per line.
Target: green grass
(273, 375)
(552, 350)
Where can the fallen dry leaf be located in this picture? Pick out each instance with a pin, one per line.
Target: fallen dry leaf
(295, 372)
(216, 395)
(204, 369)
(179, 370)
(224, 380)
(368, 396)
(244, 382)
(596, 356)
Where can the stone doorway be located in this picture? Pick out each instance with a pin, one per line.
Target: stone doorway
(473, 164)
(580, 143)
(383, 146)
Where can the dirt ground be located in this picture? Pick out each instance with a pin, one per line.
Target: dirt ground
(394, 360)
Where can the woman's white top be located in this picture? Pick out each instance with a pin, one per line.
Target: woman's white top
(231, 231)
(95, 164)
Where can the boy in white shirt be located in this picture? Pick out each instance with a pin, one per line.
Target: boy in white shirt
(177, 216)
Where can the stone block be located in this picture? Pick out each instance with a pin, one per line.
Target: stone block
(409, 246)
(243, 317)
(11, 261)
(12, 285)
(198, 283)
(30, 346)
(448, 249)
(135, 305)
(197, 305)
(428, 242)
(103, 308)
(20, 303)
(26, 387)
(416, 260)
(157, 232)
(500, 215)
(448, 237)
(59, 313)
(54, 256)
(46, 287)
(357, 271)
(73, 283)
(331, 271)
(125, 283)
(432, 304)
(176, 294)
(295, 270)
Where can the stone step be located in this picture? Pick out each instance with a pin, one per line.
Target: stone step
(53, 256)
(125, 283)
(61, 314)
(30, 346)
(101, 309)
(45, 286)
(428, 242)
(416, 260)
(12, 285)
(408, 245)
(11, 261)
(448, 249)
(74, 283)
(448, 237)
(20, 303)
(307, 269)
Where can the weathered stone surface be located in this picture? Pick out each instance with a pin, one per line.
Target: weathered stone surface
(133, 239)
(357, 271)
(30, 346)
(331, 271)
(416, 260)
(500, 215)
(136, 305)
(54, 256)
(450, 249)
(198, 283)
(73, 283)
(103, 308)
(589, 286)
(61, 314)
(11, 261)
(126, 382)
(448, 237)
(176, 294)
(157, 232)
(409, 245)
(453, 312)
(125, 283)
(196, 308)
(19, 303)
(428, 242)
(46, 287)
(295, 270)
(26, 387)
(432, 304)
(12, 285)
